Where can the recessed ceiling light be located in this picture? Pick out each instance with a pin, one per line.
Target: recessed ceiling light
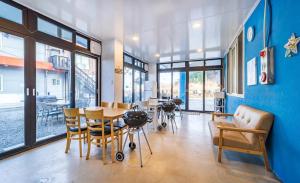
(157, 55)
(196, 25)
(199, 50)
(135, 38)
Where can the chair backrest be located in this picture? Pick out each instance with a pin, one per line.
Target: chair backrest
(251, 118)
(106, 104)
(72, 118)
(124, 106)
(95, 120)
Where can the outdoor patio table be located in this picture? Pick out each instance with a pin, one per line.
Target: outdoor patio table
(110, 114)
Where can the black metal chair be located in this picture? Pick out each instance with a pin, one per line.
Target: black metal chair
(135, 121)
(169, 113)
(178, 103)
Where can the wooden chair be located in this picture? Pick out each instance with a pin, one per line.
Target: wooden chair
(97, 132)
(107, 104)
(74, 128)
(124, 106)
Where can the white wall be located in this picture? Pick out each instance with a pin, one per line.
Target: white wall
(112, 83)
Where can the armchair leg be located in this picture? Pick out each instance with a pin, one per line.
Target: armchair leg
(220, 146)
(265, 154)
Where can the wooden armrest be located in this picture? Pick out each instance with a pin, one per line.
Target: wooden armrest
(220, 114)
(241, 129)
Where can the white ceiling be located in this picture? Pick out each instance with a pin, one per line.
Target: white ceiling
(177, 29)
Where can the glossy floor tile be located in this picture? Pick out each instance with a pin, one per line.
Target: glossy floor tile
(186, 156)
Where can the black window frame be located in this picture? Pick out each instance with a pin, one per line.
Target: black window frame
(133, 66)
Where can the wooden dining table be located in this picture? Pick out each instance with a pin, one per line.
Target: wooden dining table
(109, 114)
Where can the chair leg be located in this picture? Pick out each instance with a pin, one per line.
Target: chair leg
(68, 142)
(80, 145)
(172, 125)
(140, 148)
(220, 146)
(104, 149)
(84, 137)
(89, 147)
(146, 140)
(265, 154)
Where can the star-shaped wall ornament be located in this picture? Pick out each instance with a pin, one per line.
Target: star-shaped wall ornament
(291, 46)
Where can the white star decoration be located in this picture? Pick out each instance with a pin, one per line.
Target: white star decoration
(291, 46)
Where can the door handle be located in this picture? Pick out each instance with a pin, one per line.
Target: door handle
(33, 92)
(27, 92)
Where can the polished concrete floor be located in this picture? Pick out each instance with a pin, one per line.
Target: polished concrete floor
(186, 156)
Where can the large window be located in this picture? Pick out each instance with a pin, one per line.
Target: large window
(11, 92)
(235, 67)
(53, 79)
(85, 81)
(194, 82)
(40, 74)
(134, 77)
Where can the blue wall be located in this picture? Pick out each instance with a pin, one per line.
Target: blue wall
(283, 97)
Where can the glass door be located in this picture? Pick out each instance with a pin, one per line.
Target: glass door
(53, 80)
(85, 81)
(12, 87)
(137, 85)
(165, 81)
(128, 85)
(195, 95)
(212, 85)
(179, 86)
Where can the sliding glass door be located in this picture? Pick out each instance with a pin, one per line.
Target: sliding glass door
(165, 81)
(53, 80)
(137, 85)
(212, 85)
(128, 84)
(85, 81)
(195, 83)
(12, 87)
(195, 96)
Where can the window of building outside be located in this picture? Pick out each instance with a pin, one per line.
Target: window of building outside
(235, 67)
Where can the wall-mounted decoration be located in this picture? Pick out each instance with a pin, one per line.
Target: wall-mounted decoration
(118, 71)
(291, 46)
(250, 34)
(251, 72)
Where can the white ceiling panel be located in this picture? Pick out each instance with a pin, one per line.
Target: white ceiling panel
(184, 29)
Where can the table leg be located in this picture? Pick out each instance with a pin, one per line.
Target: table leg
(112, 136)
(155, 123)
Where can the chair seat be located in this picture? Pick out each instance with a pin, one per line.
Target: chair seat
(107, 131)
(230, 138)
(75, 129)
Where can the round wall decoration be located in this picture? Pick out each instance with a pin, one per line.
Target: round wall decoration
(250, 34)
